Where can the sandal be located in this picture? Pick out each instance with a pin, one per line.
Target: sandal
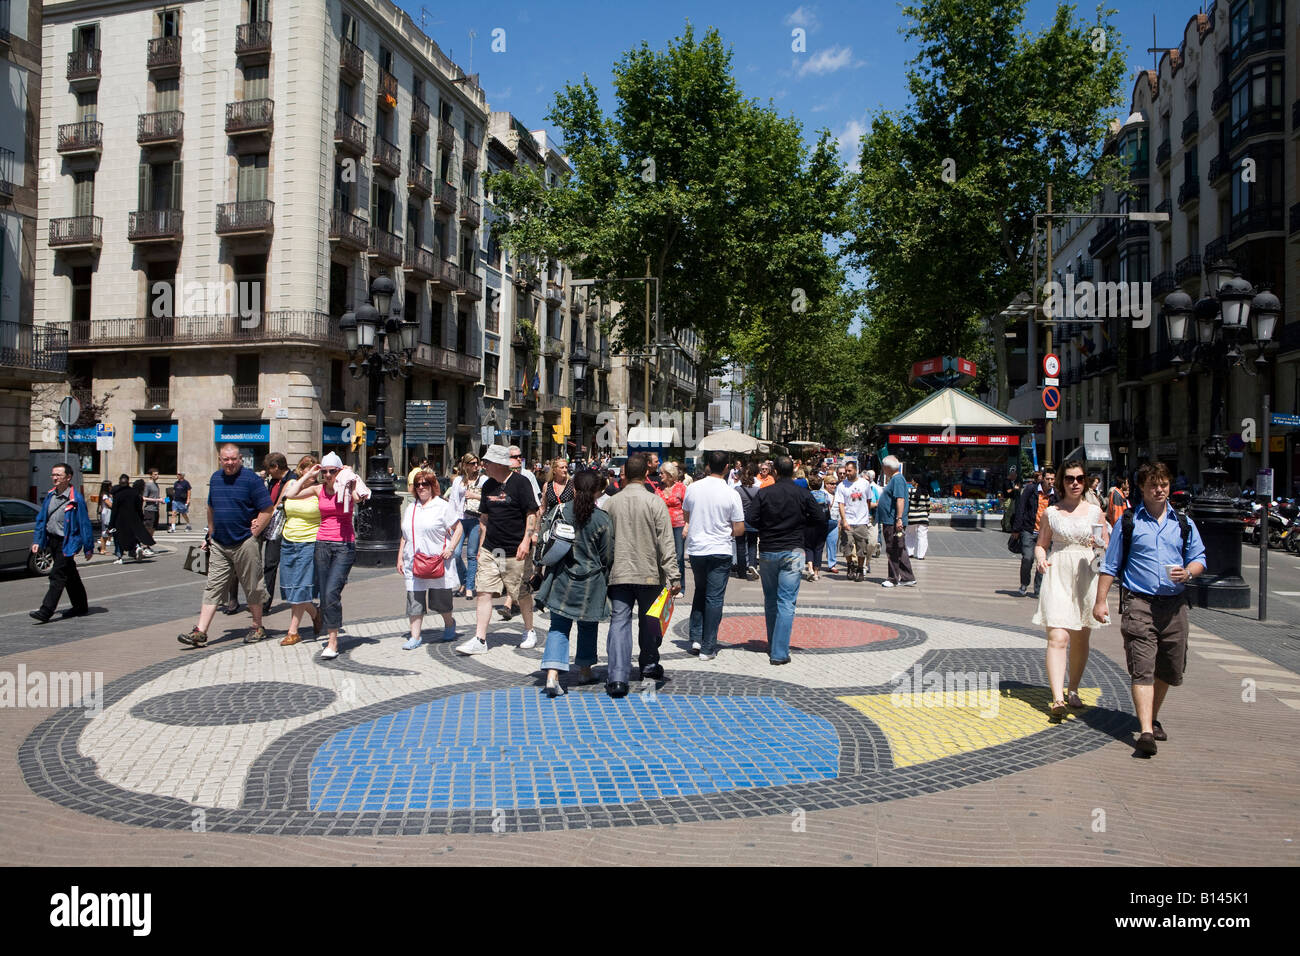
(1072, 698)
(1058, 708)
(290, 639)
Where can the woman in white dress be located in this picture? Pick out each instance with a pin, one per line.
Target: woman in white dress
(431, 526)
(1069, 589)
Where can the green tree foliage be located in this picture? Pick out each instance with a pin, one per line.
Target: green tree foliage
(942, 208)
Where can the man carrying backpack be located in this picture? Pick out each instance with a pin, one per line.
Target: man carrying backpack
(1154, 556)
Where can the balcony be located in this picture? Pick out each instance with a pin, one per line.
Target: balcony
(6, 173)
(349, 133)
(349, 231)
(387, 158)
(445, 195)
(244, 396)
(552, 347)
(1135, 230)
(1247, 47)
(419, 113)
(1295, 220)
(1189, 192)
(1107, 233)
(1261, 121)
(386, 90)
(81, 139)
(549, 404)
(385, 247)
(163, 56)
(451, 363)
(253, 41)
(448, 276)
(471, 284)
(419, 179)
(1163, 152)
(1220, 166)
(553, 294)
(157, 396)
(1191, 125)
(160, 129)
(470, 156)
(149, 332)
(1165, 206)
(250, 118)
(1164, 283)
(34, 347)
(155, 225)
(83, 68)
(469, 212)
(76, 232)
(1257, 219)
(1085, 269)
(420, 262)
(1221, 97)
(252, 218)
(1216, 250)
(1188, 269)
(446, 135)
(352, 60)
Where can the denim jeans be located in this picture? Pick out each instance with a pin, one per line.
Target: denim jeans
(706, 603)
(649, 637)
(832, 543)
(468, 569)
(333, 562)
(681, 552)
(1029, 541)
(781, 572)
(556, 655)
(746, 551)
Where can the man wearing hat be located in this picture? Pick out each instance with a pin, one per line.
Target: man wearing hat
(508, 515)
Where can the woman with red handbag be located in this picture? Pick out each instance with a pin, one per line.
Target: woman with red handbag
(431, 531)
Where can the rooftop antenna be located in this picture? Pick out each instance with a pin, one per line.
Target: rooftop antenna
(472, 35)
(1153, 49)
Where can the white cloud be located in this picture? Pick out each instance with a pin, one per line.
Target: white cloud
(849, 144)
(805, 17)
(828, 61)
(820, 108)
(503, 95)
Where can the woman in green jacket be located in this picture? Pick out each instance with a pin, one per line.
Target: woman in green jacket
(575, 589)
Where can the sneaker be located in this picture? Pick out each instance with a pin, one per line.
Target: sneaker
(695, 648)
(752, 574)
(328, 655)
(255, 634)
(1024, 590)
(1146, 745)
(910, 584)
(887, 583)
(448, 634)
(529, 641)
(472, 646)
(413, 643)
(171, 529)
(119, 561)
(708, 657)
(148, 552)
(194, 638)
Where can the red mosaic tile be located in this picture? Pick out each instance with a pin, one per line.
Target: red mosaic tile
(749, 631)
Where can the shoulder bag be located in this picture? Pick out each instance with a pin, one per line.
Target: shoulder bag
(424, 566)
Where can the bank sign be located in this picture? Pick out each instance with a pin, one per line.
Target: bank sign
(902, 438)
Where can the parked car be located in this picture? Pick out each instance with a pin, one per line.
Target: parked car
(17, 528)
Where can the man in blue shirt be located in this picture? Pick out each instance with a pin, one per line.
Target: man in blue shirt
(1154, 623)
(239, 509)
(63, 525)
(891, 516)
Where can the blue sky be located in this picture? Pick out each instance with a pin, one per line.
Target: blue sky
(853, 67)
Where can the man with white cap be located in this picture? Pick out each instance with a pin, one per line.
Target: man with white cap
(517, 465)
(508, 514)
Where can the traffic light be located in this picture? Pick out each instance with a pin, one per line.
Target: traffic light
(359, 436)
(560, 431)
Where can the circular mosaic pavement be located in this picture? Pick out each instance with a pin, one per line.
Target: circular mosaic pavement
(227, 704)
(443, 743)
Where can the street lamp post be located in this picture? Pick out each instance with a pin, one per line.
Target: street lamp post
(579, 361)
(1209, 335)
(380, 342)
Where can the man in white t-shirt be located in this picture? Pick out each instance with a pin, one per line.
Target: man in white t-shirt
(853, 501)
(714, 519)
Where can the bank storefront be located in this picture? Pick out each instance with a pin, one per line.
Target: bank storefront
(253, 439)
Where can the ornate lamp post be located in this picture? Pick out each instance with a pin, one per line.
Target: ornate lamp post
(1209, 335)
(579, 361)
(380, 342)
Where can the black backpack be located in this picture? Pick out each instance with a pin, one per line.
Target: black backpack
(1126, 532)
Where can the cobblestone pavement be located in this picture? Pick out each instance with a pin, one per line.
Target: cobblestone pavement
(910, 727)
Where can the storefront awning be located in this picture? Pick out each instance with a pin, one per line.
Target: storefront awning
(950, 407)
(643, 436)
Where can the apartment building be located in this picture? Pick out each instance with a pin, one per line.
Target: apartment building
(1213, 139)
(33, 361)
(279, 157)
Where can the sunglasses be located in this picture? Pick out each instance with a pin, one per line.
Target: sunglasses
(1073, 479)
(329, 471)
(424, 484)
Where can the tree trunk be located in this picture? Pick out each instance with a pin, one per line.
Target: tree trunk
(998, 327)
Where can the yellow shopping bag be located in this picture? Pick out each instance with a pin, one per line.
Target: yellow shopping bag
(662, 608)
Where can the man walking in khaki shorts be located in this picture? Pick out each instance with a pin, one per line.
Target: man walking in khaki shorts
(239, 508)
(1155, 554)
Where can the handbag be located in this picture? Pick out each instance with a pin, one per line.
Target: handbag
(1013, 543)
(424, 566)
(276, 526)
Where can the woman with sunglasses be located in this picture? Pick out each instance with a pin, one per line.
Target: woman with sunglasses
(298, 584)
(430, 526)
(832, 482)
(464, 496)
(336, 548)
(1069, 590)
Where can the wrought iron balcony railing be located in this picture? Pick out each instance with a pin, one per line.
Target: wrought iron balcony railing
(249, 217)
(155, 225)
(1163, 152)
(388, 157)
(84, 64)
(153, 129)
(1191, 124)
(446, 134)
(157, 396)
(84, 137)
(41, 348)
(385, 246)
(351, 232)
(164, 53)
(253, 39)
(250, 116)
(349, 133)
(244, 396)
(470, 212)
(312, 328)
(420, 262)
(1189, 192)
(352, 59)
(1187, 269)
(419, 178)
(445, 195)
(387, 89)
(471, 284)
(1221, 97)
(419, 113)
(1164, 283)
(76, 231)
(1216, 249)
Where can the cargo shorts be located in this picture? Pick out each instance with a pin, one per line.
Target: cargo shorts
(1155, 638)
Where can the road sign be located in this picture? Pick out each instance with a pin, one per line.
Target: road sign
(1264, 483)
(69, 410)
(1281, 419)
(1051, 381)
(1051, 365)
(1051, 398)
(1051, 414)
(104, 435)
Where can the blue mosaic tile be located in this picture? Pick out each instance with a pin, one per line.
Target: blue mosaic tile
(513, 748)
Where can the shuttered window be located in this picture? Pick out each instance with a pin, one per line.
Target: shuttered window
(252, 177)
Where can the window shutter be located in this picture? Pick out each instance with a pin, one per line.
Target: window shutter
(176, 186)
(144, 187)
